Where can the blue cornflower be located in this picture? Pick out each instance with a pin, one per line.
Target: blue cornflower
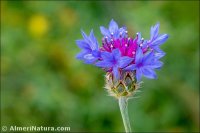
(120, 53)
(144, 65)
(90, 48)
(125, 59)
(113, 31)
(114, 61)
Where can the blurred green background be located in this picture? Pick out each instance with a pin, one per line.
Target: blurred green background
(42, 83)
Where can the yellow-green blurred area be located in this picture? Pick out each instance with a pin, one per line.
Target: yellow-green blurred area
(42, 83)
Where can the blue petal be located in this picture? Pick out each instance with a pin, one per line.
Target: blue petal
(122, 31)
(154, 31)
(156, 64)
(124, 61)
(160, 40)
(88, 56)
(82, 44)
(149, 73)
(138, 74)
(116, 53)
(96, 53)
(90, 40)
(130, 67)
(93, 41)
(113, 27)
(90, 61)
(116, 73)
(144, 44)
(159, 55)
(105, 64)
(148, 57)
(139, 55)
(81, 55)
(104, 31)
(85, 37)
(139, 38)
(107, 56)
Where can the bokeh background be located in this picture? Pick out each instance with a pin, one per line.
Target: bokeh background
(42, 83)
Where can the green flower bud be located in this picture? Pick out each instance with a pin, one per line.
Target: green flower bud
(125, 87)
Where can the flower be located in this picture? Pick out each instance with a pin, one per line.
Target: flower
(144, 65)
(113, 31)
(124, 57)
(90, 48)
(114, 61)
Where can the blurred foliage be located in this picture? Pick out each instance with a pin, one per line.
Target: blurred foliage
(43, 84)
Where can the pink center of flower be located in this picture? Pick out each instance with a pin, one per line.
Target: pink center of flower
(127, 46)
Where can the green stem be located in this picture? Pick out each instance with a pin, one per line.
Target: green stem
(123, 105)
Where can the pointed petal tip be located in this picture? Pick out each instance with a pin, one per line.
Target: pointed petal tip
(84, 34)
(158, 24)
(104, 31)
(82, 31)
(91, 33)
(112, 20)
(113, 26)
(102, 27)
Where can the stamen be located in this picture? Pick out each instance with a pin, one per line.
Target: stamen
(137, 35)
(106, 42)
(142, 42)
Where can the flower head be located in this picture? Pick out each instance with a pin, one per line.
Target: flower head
(125, 59)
